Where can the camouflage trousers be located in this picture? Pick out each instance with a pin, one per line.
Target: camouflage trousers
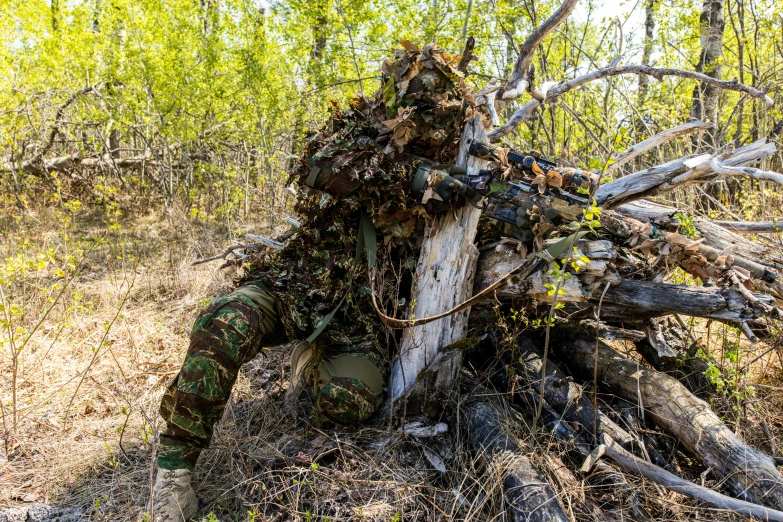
(347, 382)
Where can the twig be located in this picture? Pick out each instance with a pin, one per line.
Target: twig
(98, 348)
(226, 253)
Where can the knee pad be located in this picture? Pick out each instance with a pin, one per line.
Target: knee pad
(350, 388)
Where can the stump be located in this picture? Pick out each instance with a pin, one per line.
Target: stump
(445, 271)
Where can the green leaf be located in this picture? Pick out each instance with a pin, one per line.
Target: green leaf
(389, 94)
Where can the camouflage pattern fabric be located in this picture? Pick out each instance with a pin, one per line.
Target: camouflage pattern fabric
(362, 162)
(230, 332)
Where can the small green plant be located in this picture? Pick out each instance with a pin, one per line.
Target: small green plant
(686, 225)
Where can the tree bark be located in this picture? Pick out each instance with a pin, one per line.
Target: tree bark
(566, 396)
(527, 494)
(711, 24)
(747, 472)
(647, 47)
(445, 271)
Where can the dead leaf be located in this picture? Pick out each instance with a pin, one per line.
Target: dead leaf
(554, 179)
(409, 46)
(540, 181)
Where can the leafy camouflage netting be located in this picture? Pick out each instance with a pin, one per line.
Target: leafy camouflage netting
(363, 160)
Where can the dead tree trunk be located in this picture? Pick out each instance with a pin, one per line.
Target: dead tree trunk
(747, 472)
(447, 265)
(527, 494)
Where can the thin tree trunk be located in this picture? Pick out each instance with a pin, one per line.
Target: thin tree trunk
(705, 97)
(647, 47)
(55, 15)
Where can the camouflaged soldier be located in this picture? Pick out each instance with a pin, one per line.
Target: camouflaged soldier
(354, 185)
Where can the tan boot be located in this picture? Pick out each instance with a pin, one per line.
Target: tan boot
(301, 355)
(173, 497)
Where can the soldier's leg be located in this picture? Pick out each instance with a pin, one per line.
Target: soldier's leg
(348, 382)
(228, 333)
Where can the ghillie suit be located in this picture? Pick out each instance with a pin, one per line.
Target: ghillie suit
(354, 185)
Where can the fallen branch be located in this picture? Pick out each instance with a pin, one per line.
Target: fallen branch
(713, 234)
(746, 471)
(662, 178)
(765, 175)
(628, 300)
(563, 394)
(528, 495)
(650, 471)
(656, 141)
(752, 227)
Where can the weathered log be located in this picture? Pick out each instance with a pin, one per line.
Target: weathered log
(603, 475)
(630, 463)
(644, 299)
(445, 271)
(628, 300)
(564, 395)
(527, 494)
(752, 227)
(608, 332)
(713, 233)
(747, 472)
(662, 178)
(684, 363)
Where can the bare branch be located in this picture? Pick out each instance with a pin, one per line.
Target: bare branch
(525, 113)
(58, 115)
(518, 83)
(225, 254)
(658, 73)
(657, 140)
(631, 463)
(752, 227)
(662, 178)
(764, 175)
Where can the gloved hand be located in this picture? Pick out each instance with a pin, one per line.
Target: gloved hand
(448, 182)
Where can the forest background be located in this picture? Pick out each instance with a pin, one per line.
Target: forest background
(137, 136)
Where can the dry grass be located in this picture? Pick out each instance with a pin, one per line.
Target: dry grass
(139, 295)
